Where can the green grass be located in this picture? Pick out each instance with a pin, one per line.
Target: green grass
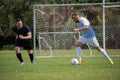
(56, 68)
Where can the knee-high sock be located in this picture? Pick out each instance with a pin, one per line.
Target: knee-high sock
(105, 54)
(31, 57)
(19, 56)
(78, 51)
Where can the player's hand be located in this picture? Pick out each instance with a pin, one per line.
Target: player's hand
(21, 36)
(76, 29)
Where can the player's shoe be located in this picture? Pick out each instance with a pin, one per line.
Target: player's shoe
(22, 63)
(111, 62)
(80, 61)
(33, 62)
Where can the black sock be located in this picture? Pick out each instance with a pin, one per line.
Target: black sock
(19, 57)
(31, 57)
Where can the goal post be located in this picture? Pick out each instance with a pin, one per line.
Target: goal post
(55, 20)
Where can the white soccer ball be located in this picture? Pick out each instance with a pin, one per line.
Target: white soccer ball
(74, 61)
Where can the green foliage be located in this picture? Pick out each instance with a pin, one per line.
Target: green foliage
(11, 9)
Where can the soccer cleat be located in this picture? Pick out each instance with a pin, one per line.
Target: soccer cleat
(80, 61)
(111, 62)
(22, 63)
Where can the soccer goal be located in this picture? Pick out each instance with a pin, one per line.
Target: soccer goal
(57, 44)
(53, 28)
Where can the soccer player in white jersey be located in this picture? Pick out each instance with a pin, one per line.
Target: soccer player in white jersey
(88, 36)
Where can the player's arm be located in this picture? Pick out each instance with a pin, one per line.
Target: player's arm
(16, 36)
(86, 24)
(29, 36)
(82, 28)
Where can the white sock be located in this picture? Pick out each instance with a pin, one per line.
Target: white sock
(105, 53)
(78, 51)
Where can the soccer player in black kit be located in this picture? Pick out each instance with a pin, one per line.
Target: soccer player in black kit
(23, 39)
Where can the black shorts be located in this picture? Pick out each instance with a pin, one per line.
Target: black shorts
(26, 44)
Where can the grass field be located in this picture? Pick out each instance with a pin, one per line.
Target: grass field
(57, 68)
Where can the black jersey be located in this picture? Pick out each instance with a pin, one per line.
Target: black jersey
(25, 43)
(22, 31)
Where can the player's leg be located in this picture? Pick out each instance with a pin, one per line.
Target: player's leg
(95, 43)
(78, 46)
(30, 52)
(18, 44)
(105, 54)
(28, 46)
(18, 54)
(78, 49)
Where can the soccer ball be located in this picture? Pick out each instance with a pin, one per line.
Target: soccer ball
(74, 61)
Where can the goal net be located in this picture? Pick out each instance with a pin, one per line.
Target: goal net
(53, 27)
(112, 23)
(56, 44)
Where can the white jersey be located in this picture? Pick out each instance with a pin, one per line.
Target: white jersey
(89, 33)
